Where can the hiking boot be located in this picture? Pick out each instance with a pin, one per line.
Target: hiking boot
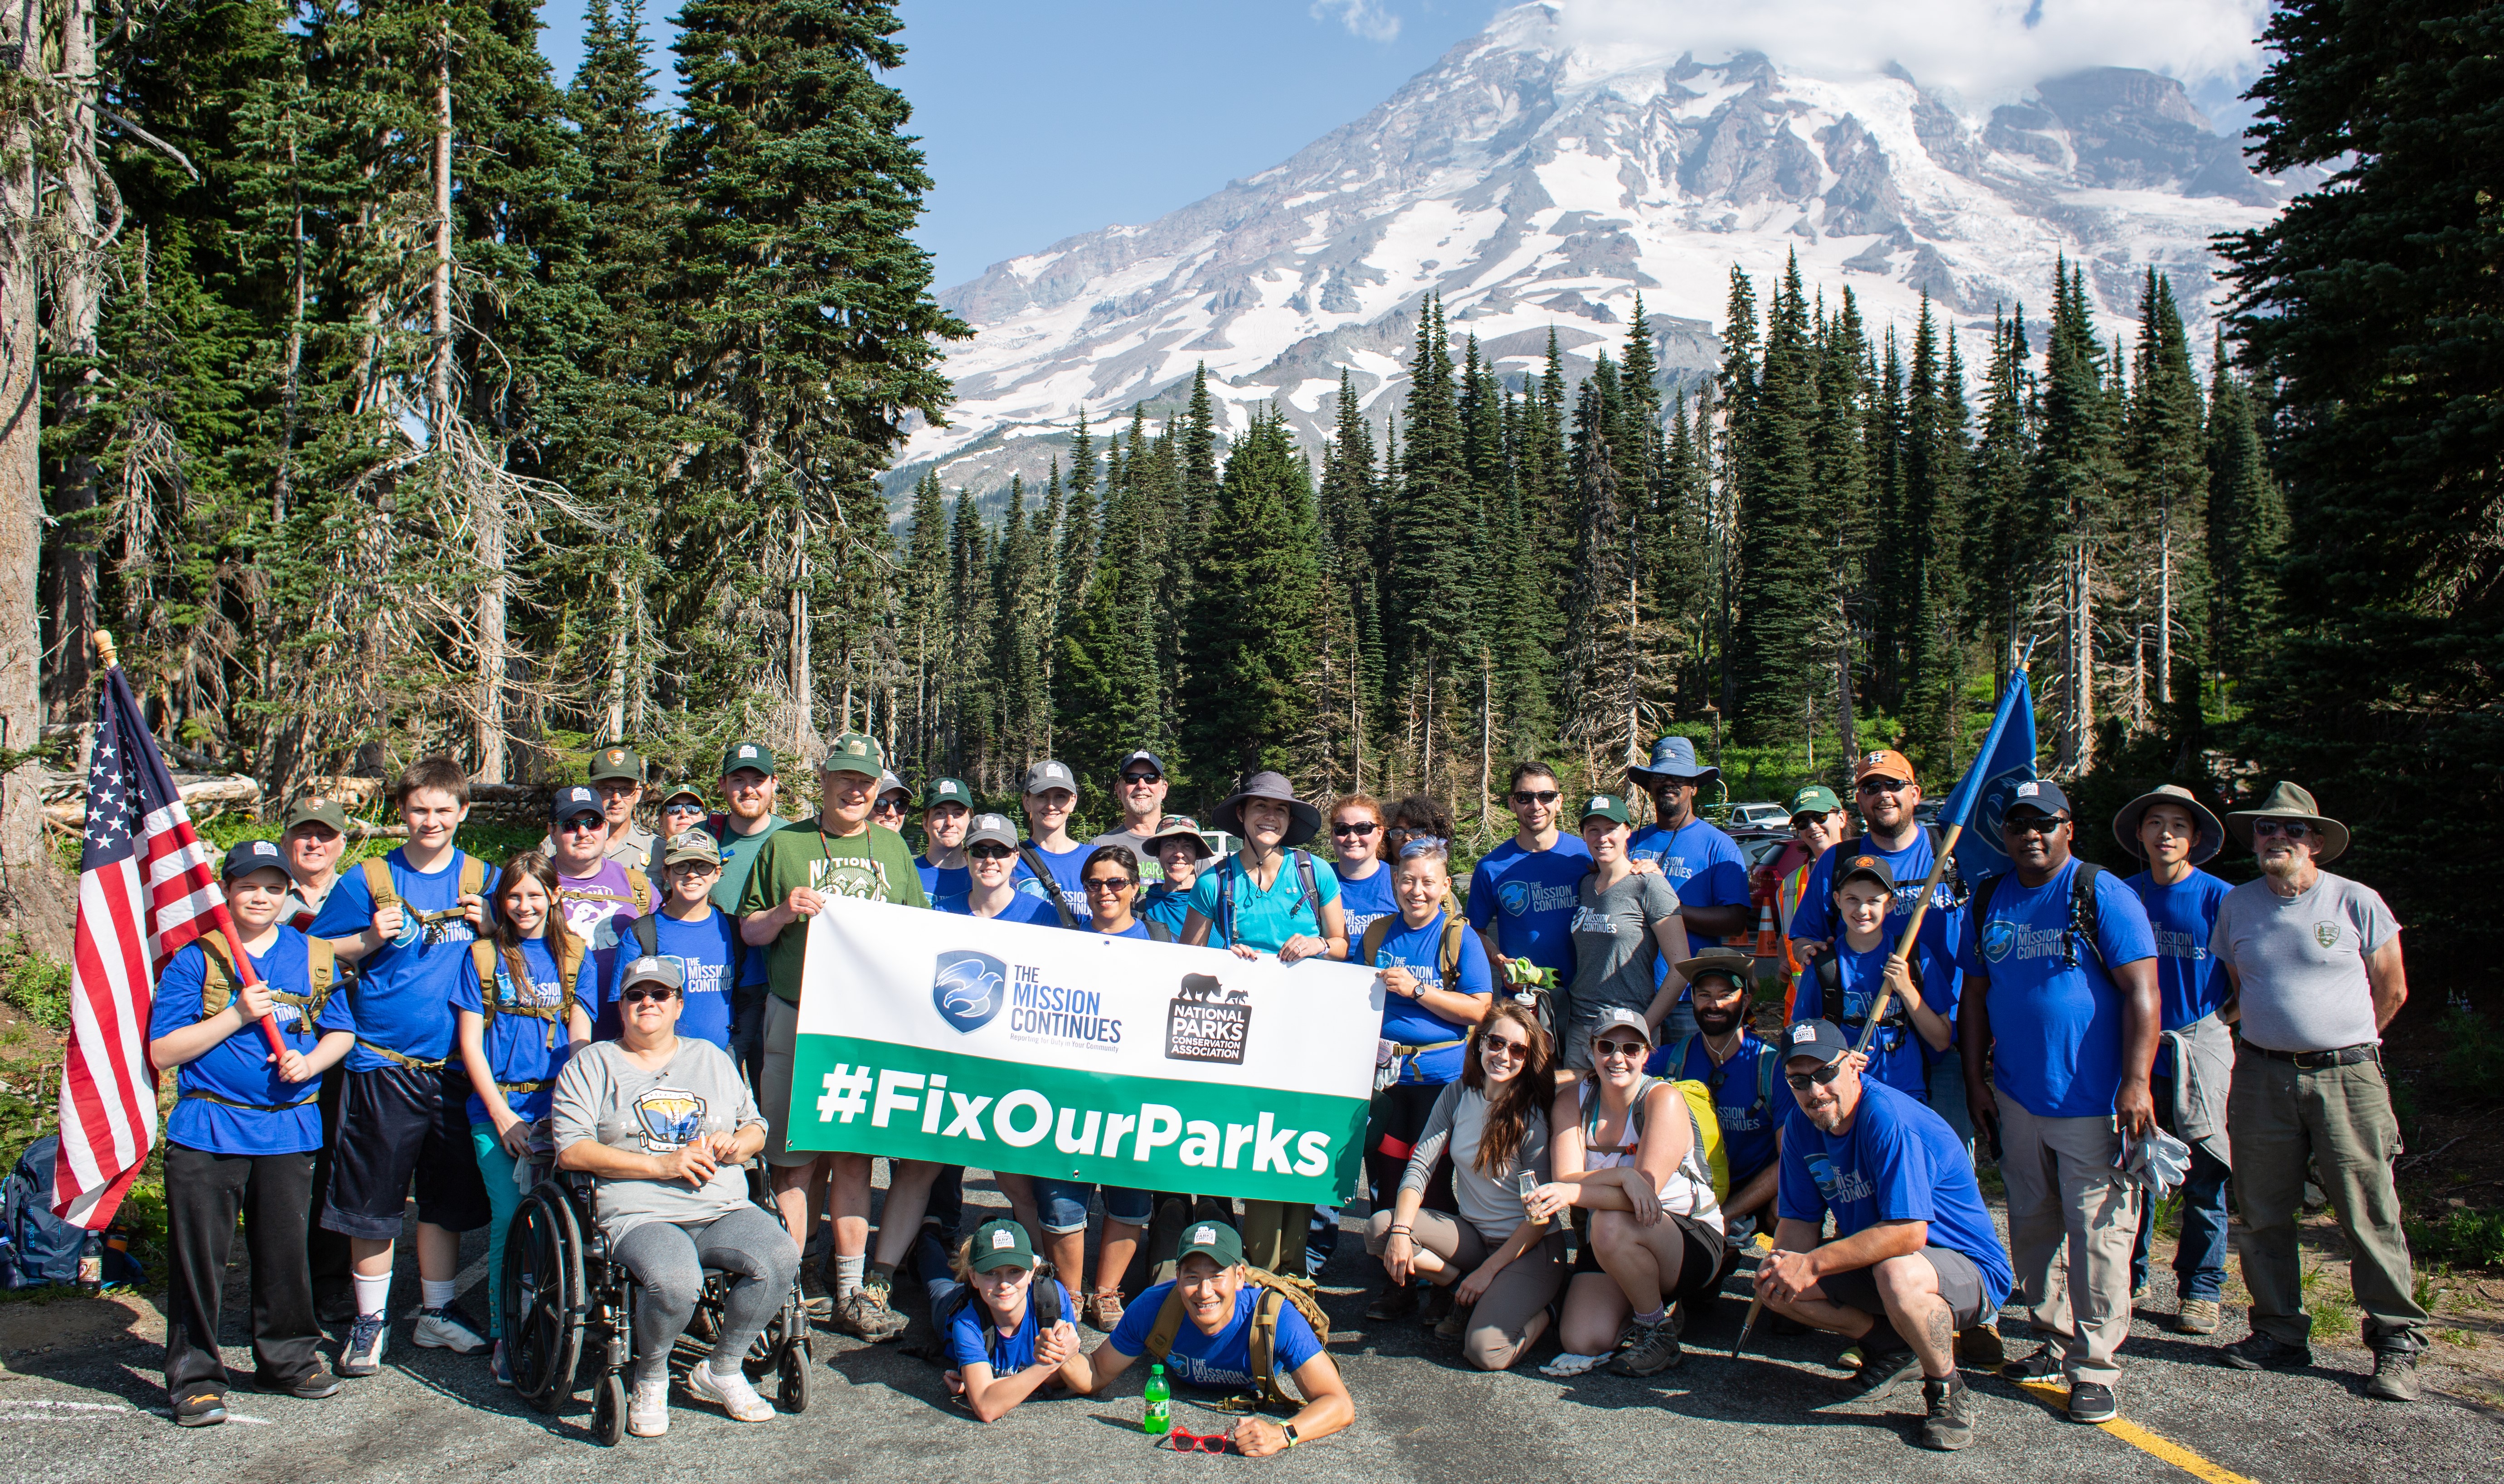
(647, 1407)
(1392, 1301)
(2091, 1401)
(2197, 1315)
(1103, 1310)
(2041, 1365)
(815, 1300)
(1654, 1349)
(2266, 1352)
(1875, 1373)
(867, 1315)
(1981, 1346)
(200, 1407)
(313, 1387)
(2395, 1376)
(363, 1353)
(1454, 1324)
(734, 1394)
(448, 1329)
(1948, 1406)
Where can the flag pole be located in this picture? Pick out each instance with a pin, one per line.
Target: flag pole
(107, 658)
(1946, 851)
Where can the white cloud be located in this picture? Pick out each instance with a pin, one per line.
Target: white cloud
(1982, 49)
(1365, 20)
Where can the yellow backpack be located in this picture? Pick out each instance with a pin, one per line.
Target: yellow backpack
(1708, 1133)
(218, 978)
(379, 886)
(568, 951)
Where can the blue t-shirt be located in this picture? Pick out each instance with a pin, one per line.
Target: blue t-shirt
(1065, 867)
(707, 951)
(944, 880)
(1137, 929)
(401, 998)
(1264, 920)
(239, 1068)
(518, 1045)
(1408, 1022)
(974, 1340)
(1704, 865)
(1749, 1096)
(1160, 902)
(1362, 898)
(1942, 926)
(1897, 1055)
(1024, 907)
(1222, 1360)
(1897, 1162)
(2190, 982)
(2054, 1030)
(1530, 896)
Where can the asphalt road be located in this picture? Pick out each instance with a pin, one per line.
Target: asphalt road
(97, 1414)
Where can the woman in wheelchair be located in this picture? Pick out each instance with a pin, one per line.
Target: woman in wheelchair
(1008, 1337)
(661, 1124)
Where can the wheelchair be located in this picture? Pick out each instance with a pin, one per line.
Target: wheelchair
(563, 1297)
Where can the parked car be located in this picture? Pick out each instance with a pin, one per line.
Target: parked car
(1761, 815)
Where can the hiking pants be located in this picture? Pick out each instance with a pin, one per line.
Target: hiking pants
(1499, 1326)
(2064, 1192)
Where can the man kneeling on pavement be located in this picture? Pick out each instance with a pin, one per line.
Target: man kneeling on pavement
(1915, 1257)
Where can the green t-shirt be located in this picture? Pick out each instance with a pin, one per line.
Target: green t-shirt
(875, 866)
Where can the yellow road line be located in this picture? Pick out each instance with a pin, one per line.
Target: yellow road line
(2166, 1449)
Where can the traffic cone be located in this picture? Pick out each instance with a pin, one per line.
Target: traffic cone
(1768, 942)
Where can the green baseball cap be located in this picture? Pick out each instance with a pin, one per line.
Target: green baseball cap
(748, 754)
(1815, 799)
(317, 812)
(948, 792)
(1607, 807)
(854, 753)
(1000, 1244)
(618, 762)
(1216, 1241)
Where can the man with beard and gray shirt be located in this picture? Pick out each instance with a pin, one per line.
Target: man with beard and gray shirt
(2314, 959)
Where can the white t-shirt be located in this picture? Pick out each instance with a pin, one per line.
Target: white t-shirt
(2300, 961)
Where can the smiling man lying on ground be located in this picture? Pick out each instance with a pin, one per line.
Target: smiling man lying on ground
(1213, 1327)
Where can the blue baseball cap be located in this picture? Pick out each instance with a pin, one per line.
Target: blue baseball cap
(2036, 794)
(572, 800)
(250, 856)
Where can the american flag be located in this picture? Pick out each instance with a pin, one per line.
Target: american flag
(146, 888)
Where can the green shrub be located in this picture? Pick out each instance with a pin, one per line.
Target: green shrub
(2467, 1238)
(38, 985)
(2473, 1058)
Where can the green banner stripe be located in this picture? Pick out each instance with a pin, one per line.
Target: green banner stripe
(909, 1102)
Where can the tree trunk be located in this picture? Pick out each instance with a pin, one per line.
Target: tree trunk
(803, 686)
(78, 301)
(1486, 741)
(2165, 604)
(1843, 721)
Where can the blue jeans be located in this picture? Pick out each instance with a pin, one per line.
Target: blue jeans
(504, 1199)
(1065, 1204)
(2200, 1257)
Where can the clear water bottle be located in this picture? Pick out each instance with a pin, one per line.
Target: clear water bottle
(1159, 1419)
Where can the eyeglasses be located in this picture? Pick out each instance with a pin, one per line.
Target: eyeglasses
(1630, 1050)
(1356, 831)
(688, 806)
(1803, 1082)
(1498, 1046)
(639, 993)
(2033, 824)
(1882, 786)
(2292, 829)
(988, 851)
(1536, 796)
(1110, 884)
(1143, 777)
(1186, 1442)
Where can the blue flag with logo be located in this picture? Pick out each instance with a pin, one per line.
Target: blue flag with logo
(2006, 760)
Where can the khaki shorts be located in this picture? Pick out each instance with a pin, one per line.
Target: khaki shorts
(774, 1087)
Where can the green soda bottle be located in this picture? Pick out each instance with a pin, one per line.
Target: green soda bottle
(1160, 1414)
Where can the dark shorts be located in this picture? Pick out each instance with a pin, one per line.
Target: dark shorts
(1960, 1284)
(397, 1125)
(1699, 1267)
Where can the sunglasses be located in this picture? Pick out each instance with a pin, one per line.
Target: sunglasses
(1110, 884)
(1504, 1048)
(1143, 777)
(1186, 1442)
(1803, 1082)
(1536, 796)
(990, 853)
(888, 806)
(2292, 829)
(583, 826)
(1882, 786)
(2036, 825)
(1356, 831)
(639, 993)
(1631, 1049)
(1807, 821)
(685, 807)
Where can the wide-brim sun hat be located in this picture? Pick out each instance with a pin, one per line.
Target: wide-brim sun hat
(1303, 821)
(2211, 834)
(1734, 963)
(1181, 827)
(2286, 801)
(1673, 757)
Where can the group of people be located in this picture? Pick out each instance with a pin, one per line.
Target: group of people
(1575, 1123)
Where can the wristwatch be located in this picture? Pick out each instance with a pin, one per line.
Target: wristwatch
(1289, 1429)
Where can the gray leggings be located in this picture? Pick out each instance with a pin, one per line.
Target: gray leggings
(669, 1258)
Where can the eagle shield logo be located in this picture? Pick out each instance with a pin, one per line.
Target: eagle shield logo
(968, 989)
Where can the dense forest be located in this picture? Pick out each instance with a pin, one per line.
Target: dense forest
(391, 394)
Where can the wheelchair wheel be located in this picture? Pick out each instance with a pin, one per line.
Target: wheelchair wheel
(609, 1410)
(793, 1395)
(543, 1298)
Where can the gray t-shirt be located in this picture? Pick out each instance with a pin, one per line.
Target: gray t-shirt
(1491, 1202)
(2301, 961)
(602, 1094)
(1150, 869)
(1614, 947)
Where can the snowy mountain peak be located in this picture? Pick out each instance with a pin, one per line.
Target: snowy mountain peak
(1539, 183)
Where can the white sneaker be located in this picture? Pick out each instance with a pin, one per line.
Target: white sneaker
(737, 1396)
(447, 1329)
(648, 1407)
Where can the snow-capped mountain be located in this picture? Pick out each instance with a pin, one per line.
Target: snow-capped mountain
(1534, 184)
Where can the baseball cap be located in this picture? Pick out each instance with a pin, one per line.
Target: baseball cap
(1864, 868)
(1142, 755)
(617, 763)
(682, 791)
(1214, 1240)
(949, 791)
(1607, 807)
(1821, 1040)
(652, 970)
(854, 753)
(994, 828)
(1000, 1244)
(691, 845)
(572, 800)
(250, 856)
(1884, 763)
(1051, 772)
(2038, 794)
(1815, 799)
(748, 754)
(317, 812)
(1619, 1018)
(888, 783)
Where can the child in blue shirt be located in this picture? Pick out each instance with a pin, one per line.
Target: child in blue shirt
(241, 1138)
(1864, 961)
(719, 969)
(999, 1352)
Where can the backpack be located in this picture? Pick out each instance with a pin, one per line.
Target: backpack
(1042, 1296)
(1456, 932)
(42, 1246)
(473, 883)
(1704, 1118)
(1157, 932)
(2085, 921)
(647, 939)
(218, 978)
(568, 954)
(1273, 1293)
(1952, 878)
(1828, 969)
(1313, 893)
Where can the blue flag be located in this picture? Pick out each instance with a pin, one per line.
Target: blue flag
(2006, 760)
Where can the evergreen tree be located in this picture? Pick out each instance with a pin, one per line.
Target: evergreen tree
(1779, 547)
(2246, 531)
(1252, 639)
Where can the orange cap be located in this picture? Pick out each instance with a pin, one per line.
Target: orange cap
(1883, 763)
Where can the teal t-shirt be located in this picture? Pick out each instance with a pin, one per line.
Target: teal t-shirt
(737, 858)
(1264, 920)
